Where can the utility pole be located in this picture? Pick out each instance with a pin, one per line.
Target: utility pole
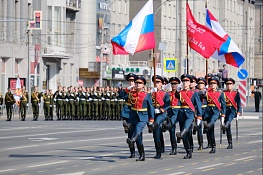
(28, 63)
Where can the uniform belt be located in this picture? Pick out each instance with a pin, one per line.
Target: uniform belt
(128, 104)
(95, 99)
(35, 100)
(59, 99)
(112, 100)
(107, 99)
(47, 102)
(175, 107)
(82, 99)
(203, 106)
(185, 107)
(120, 100)
(137, 109)
(211, 105)
(71, 99)
(64, 99)
(229, 105)
(23, 100)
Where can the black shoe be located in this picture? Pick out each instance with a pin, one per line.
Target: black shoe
(188, 155)
(200, 147)
(141, 152)
(230, 146)
(213, 150)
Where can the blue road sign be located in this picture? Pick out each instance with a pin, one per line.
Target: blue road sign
(170, 64)
(242, 74)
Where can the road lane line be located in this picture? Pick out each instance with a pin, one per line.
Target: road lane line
(209, 166)
(244, 158)
(258, 141)
(46, 164)
(177, 173)
(1, 171)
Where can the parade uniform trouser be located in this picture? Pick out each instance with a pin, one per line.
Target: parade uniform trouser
(190, 138)
(23, 110)
(71, 109)
(200, 136)
(76, 104)
(88, 115)
(59, 109)
(9, 111)
(212, 138)
(113, 110)
(101, 113)
(107, 109)
(173, 140)
(47, 110)
(162, 142)
(65, 109)
(35, 109)
(141, 152)
(95, 106)
(208, 140)
(187, 147)
(51, 112)
(118, 110)
(82, 109)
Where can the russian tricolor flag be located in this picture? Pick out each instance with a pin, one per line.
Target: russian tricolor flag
(138, 35)
(229, 52)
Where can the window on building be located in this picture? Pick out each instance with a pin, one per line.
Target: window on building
(119, 6)
(17, 61)
(3, 75)
(125, 7)
(63, 79)
(57, 26)
(71, 74)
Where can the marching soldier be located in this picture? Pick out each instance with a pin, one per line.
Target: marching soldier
(107, 96)
(89, 103)
(71, 103)
(102, 104)
(76, 103)
(95, 102)
(82, 103)
(233, 109)
(51, 107)
(161, 103)
(120, 104)
(173, 111)
(64, 103)
(9, 101)
(190, 103)
(114, 102)
(59, 103)
(215, 105)
(142, 111)
(198, 124)
(23, 103)
(35, 100)
(47, 100)
(1, 104)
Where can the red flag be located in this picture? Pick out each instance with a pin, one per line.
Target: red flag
(201, 38)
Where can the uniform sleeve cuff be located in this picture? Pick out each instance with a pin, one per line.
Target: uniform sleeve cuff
(151, 120)
(199, 117)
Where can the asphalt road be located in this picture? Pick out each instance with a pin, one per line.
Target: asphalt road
(99, 147)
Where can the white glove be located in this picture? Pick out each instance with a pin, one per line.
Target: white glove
(72, 95)
(204, 91)
(150, 123)
(54, 106)
(83, 93)
(60, 93)
(237, 117)
(55, 99)
(20, 95)
(27, 104)
(95, 93)
(108, 94)
(130, 87)
(157, 111)
(115, 100)
(103, 98)
(198, 122)
(154, 89)
(65, 93)
(223, 121)
(50, 105)
(78, 98)
(178, 88)
(90, 98)
(66, 99)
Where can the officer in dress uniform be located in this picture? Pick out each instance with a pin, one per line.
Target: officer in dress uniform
(9, 101)
(64, 103)
(1, 104)
(23, 103)
(51, 107)
(233, 109)
(161, 103)
(173, 111)
(35, 100)
(201, 83)
(82, 103)
(142, 111)
(190, 103)
(76, 103)
(216, 104)
(71, 103)
(58, 102)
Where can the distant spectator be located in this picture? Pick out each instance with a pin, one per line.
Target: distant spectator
(224, 75)
(257, 96)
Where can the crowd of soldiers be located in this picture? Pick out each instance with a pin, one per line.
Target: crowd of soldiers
(72, 103)
(195, 103)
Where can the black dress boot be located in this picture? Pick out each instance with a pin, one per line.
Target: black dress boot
(141, 152)
(213, 142)
(180, 135)
(174, 148)
(152, 127)
(132, 140)
(229, 139)
(208, 141)
(162, 145)
(158, 148)
(132, 150)
(126, 126)
(188, 154)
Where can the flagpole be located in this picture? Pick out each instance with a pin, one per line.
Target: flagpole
(206, 60)
(154, 68)
(187, 67)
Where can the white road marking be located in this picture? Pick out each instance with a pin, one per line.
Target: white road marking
(46, 164)
(177, 173)
(77, 173)
(42, 139)
(1, 171)
(254, 141)
(244, 158)
(209, 166)
(17, 128)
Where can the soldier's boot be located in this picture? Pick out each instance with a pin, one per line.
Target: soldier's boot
(200, 141)
(191, 142)
(162, 146)
(152, 127)
(213, 142)
(126, 126)
(132, 151)
(158, 147)
(180, 135)
(132, 140)
(164, 126)
(229, 139)
(188, 154)
(174, 148)
(195, 128)
(141, 152)
(208, 142)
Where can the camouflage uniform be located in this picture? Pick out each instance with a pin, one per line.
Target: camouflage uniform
(23, 104)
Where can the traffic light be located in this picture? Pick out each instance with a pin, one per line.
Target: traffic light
(37, 23)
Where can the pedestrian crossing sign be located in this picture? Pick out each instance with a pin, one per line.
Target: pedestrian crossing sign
(170, 64)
